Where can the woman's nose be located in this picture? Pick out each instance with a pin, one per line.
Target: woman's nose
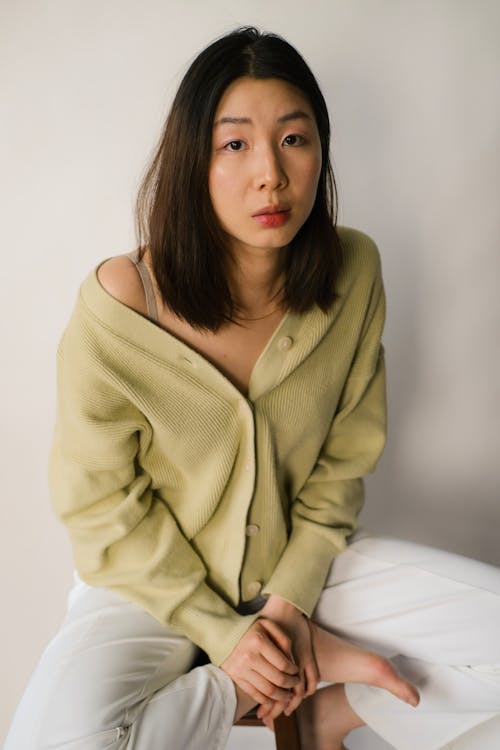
(269, 172)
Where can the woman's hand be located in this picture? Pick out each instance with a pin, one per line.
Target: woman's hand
(296, 627)
(262, 664)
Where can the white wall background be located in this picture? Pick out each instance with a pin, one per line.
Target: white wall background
(413, 89)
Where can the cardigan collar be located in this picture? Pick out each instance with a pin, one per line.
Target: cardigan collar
(291, 342)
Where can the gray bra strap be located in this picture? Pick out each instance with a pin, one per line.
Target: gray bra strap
(147, 284)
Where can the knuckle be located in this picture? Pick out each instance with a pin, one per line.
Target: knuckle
(279, 694)
(245, 659)
(282, 680)
(255, 637)
(283, 663)
(268, 690)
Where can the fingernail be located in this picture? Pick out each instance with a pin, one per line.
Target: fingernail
(413, 701)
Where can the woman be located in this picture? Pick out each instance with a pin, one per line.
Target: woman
(221, 394)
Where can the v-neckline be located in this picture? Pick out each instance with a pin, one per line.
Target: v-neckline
(209, 363)
(190, 351)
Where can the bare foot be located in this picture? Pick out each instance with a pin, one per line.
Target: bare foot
(325, 719)
(341, 661)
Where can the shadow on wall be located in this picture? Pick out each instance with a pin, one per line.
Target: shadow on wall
(436, 482)
(405, 497)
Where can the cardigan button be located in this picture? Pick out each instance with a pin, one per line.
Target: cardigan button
(285, 343)
(254, 588)
(252, 529)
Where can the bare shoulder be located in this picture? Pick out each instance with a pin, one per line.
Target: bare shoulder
(121, 279)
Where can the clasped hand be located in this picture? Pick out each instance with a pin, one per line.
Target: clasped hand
(274, 661)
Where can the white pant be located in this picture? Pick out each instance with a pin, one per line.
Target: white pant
(114, 678)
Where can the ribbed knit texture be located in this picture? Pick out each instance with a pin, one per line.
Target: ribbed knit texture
(159, 463)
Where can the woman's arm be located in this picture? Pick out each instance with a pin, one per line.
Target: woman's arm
(124, 536)
(325, 511)
(322, 517)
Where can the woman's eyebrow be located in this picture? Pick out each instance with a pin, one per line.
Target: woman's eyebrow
(297, 114)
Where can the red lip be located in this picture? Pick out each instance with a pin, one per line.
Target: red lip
(272, 220)
(274, 209)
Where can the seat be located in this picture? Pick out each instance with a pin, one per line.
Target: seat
(286, 731)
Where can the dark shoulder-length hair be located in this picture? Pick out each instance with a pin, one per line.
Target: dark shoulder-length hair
(174, 212)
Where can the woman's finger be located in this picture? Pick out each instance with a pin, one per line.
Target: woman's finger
(277, 709)
(296, 697)
(311, 674)
(268, 640)
(277, 660)
(268, 689)
(278, 650)
(281, 679)
(268, 723)
(265, 710)
(311, 669)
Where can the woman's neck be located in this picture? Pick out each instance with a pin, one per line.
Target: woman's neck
(256, 279)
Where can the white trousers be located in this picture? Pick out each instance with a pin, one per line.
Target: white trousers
(114, 679)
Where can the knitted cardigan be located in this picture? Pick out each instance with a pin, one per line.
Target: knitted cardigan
(186, 497)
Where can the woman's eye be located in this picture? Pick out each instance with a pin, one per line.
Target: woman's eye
(293, 140)
(234, 146)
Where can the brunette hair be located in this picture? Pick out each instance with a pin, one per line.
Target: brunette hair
(174, 212)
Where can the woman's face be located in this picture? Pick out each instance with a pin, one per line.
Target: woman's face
(265, 163)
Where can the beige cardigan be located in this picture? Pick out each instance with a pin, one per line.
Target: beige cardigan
(187, 498)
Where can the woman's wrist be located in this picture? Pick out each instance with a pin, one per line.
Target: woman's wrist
(278, 607)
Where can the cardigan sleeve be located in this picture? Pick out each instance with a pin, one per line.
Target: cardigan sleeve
(123, 535)
(325, 511)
